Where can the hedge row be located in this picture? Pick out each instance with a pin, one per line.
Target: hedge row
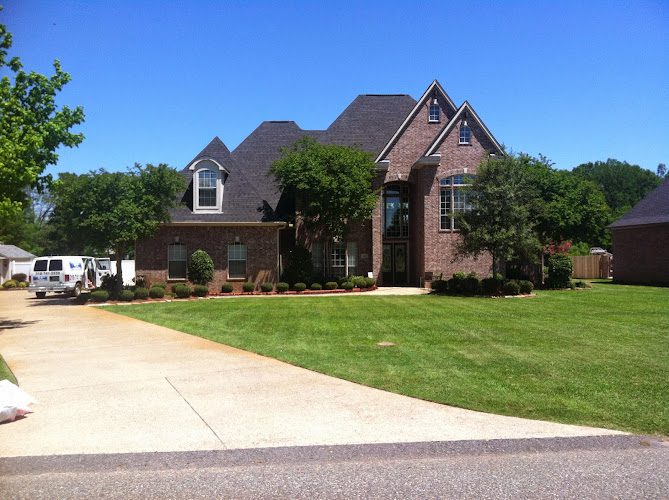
(470, 284)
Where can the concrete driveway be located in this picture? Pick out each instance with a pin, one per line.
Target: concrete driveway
(112, 384)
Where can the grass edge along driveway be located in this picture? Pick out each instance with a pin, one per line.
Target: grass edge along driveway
(597, 357)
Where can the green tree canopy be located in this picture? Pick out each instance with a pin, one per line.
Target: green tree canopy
(32, 127)
(111, 210)
(332, 184)
(624, 185)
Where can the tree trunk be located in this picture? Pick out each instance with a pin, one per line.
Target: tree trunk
(120, 251)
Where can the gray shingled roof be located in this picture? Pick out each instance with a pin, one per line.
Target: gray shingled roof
(250, 193)
(14, 252)
(653, 209)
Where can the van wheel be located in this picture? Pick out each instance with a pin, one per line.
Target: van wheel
(77, 290)
(40, 295)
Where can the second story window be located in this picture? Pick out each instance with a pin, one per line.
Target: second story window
(207, 181)
(465, 133)
(434, 111)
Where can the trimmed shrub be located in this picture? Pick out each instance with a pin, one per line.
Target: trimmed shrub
(22, 284)
(200, 268)
(127, 295)
(559, 271)
(160, 285)
(111, 283)
(331, 285)
(571, 285)
(200, 290)
(439, 286)
(19, 277)
(316, 286)
(299, 287)
(370, 282)
(511, 287)
(456, 283)
(266, 287)
(10, 284)
(577, 284)
(492, 285)
(182, 291)
(249, 286)
(156, 292)
(227, 288)
(526, 286)
(100, 296)
(471, 284)
(358, 281)
(282, 287)
(141, 293)
(347, 285)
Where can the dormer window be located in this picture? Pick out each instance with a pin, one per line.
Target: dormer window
(434, 111)
(208, 179)
(465, 133)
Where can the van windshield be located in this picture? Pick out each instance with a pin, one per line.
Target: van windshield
(40, 265)
(103, 265)
(56, 265)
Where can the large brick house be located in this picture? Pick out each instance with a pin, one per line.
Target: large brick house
(641, 239)
(426, 151)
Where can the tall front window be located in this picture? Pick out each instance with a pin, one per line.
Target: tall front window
(396, 211)
(237, 261)
(434, 112)
(176, 261)
(351, 258)
(454, 199)
(206, 188)
(317, 257)
(338, 259)
(465, 133)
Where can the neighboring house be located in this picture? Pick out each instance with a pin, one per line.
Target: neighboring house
(641, 240)
(13, 260)
(426, 153)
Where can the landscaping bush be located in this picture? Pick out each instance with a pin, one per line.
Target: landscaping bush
(141, 293)
(282, 287)
(316, 286)
(140, 281)
(369, 282)
(439, 286)
(266, 287)
(559, 271)
(249, 286)
(347, 285)
(511, 287)
(471, 284)
(492, 285)
(331, 285)
(111, 283)
(577, 284)
(200, 268)
(200, 290)
(19, 277)
(156, 292)
(299, 266)
(358, 281)
(10, 284)
(571, 285)
(182, 291)
(526, 286)
(127, 295)
(227, 288)
(160, 285)
(22, 284)
(100, 296)
(456, 283)
(299, 287)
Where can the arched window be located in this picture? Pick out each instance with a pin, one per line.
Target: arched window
(465, 133)
(454, 198)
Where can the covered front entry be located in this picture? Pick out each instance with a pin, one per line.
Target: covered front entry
(394, 267)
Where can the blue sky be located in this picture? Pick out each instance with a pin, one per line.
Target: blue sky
(575, 81)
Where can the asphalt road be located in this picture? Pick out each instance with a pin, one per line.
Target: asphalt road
(582, 467)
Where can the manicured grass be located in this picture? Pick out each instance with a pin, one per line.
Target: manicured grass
(5, 372)
(595, 357)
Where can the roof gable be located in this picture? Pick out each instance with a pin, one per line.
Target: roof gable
(435, 88)
(14, 252)
(653, 209)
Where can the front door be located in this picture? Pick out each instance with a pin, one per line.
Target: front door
(394, 267)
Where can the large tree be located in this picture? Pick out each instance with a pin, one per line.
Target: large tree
(32, 127)
(501, 220)
(624, 185)
(332, 184)
(111, 210)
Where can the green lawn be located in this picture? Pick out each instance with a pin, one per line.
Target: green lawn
(596, 357)
(5, 372)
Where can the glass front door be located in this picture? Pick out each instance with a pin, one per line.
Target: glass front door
(395, 264)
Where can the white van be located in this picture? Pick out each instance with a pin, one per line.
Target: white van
(70, 274)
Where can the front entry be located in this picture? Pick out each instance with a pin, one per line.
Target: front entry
(394, 268)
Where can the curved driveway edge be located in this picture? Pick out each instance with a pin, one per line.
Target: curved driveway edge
(112, 384)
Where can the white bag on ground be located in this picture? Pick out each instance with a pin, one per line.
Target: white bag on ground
(13, 401)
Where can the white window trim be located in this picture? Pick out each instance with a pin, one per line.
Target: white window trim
(469, 135)
(429, 113)
(197, 167)
(452, 187)
(246, 262)
(170, 278)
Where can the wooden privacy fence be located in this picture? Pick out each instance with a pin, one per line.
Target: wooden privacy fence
(592, 266)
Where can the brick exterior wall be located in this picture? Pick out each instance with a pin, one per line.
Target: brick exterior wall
(261, 247)
(640, 256)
